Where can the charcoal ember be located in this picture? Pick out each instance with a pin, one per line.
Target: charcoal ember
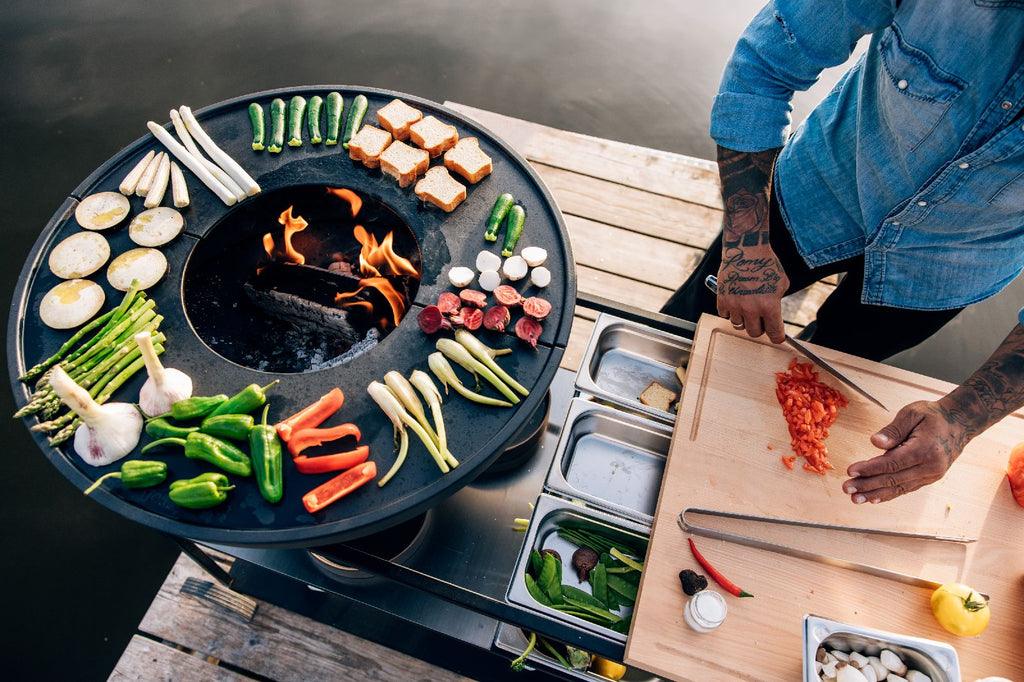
(472, 318)
(537, 308)
(496, 318)
(528, 330)
(473, 297)
(507, 295)
(431, 320)
(304, 313)
(448, 302)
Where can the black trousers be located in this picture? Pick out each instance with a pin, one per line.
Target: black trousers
(843, 322)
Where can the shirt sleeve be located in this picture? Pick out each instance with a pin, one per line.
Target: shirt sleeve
(1020, 317)
(784, 49)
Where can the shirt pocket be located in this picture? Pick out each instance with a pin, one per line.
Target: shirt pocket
(914, 92)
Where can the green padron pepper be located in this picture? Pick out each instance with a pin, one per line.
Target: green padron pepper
(135, 473)
(202, 446)
(159, 427)
(202, 492)
(196, 406)
(265, 450)
(231, 426)
(245, 401)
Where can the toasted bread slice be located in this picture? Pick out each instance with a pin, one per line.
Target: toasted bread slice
(396, 116)
(368, 144)
(681, 375)
(404, 162)
(658, 397)
(441, 189)
(468, 160)
(433, 135)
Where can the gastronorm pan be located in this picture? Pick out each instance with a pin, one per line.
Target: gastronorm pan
(623, 358)
(610, 459)
(542, 534)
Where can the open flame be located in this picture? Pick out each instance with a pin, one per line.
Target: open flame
(292, 224)
(380, 259)
(355, 202)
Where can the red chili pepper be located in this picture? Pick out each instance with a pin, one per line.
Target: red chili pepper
(314, 415)
(307, 438)
(321, 464)
(338, 487)
(727, 585)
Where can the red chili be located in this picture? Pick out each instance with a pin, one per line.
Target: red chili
(307, 438)
(338, 487)
(341, 461)
(727, 585)
(314, 415)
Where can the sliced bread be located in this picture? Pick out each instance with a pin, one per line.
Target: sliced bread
(396, 116)
(468, 160)
(658, 397)
(404, 162)
(433, 135)
(368, 144)
(441, 189)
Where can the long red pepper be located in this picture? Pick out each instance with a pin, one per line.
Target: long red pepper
(307, 438)
(338, 487)
(726, 584)
(321, 464)
(313, 415)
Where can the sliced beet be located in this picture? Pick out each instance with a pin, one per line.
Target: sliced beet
(507, 295)
(448, 302)
(473, 297)
(528, 330)
(537, 308)
(496, 318)
(472, 318)
(431, 320)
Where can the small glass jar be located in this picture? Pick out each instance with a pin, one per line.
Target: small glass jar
(705, 611)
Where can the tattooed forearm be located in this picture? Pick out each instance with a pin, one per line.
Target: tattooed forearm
(992, 392)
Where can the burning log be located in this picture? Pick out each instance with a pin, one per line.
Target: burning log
(304, 313)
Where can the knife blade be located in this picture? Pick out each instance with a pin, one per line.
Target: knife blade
(711, 282)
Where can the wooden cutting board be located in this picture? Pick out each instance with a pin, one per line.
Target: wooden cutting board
(725, 456)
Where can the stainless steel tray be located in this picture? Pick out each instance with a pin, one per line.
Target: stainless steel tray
(512, 640)
(610, 459)
(623, 357)
(937, 660)
(547, 514)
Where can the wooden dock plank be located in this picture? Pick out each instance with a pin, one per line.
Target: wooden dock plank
(579, 335)
(147, 660)
(277, 643)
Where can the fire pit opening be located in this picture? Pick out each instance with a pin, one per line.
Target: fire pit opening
(301, 278)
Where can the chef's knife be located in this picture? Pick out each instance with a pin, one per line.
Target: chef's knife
(711, 282)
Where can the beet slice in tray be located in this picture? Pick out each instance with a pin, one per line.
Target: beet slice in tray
(537, 308)
(528, 330)
(496, 318)
(507, 295)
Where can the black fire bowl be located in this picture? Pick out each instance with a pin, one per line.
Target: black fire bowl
(477, 435)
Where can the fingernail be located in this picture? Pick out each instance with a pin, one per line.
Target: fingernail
(859, 499)
(875, 501)
(849, 489)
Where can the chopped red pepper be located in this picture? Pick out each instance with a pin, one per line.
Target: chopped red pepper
(727, 585)
(321, 464)
(314, 415)
(339, 486)
(307, 438)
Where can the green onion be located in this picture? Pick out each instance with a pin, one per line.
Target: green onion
(447, 376)
(461, 356)
(486, 355)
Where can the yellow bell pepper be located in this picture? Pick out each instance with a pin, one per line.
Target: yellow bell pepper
(606, 668)
(960, 609)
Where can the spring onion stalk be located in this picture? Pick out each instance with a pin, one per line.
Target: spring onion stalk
(486, 355)
(400, 436)
(192, 163)
(421, 380)
(216, 171)
(458, 354)
(391, 405)
(218, 156)
(447, 376)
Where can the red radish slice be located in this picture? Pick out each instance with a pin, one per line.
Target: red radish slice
(537, 308)
(496, 318)
(507, 295)
(473, 297)
(472, 318)
(431, 320)
(448, 302)
(528, 330)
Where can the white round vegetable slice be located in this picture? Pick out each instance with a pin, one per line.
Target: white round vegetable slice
(156, 227)
(540, 277)
(515, 268)
(71, 303)
(488, 260)
(145, 265)
(80, 255)
(534, 256)
(460, 276)
(102, 210)
(489, 280)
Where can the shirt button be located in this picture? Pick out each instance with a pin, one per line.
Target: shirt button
(902, 85)
(895, 223)
(922, 203)
(1006, 105)
(964, 165)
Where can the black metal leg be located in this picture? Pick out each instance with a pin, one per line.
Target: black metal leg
(204, 560)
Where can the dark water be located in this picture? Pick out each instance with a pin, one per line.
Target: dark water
(83, 78)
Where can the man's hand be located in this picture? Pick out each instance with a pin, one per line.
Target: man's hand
(751, 282)
(920, 445)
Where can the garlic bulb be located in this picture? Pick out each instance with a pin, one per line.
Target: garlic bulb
(108, 432)
(165, 386)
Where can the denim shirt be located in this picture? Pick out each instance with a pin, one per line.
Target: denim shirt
(916, 157)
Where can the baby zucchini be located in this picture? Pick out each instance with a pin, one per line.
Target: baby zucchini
(276, 126)
(256, 119)
(313, 119)
(335, 105)
(355, 118)
(501, 206)
(513, 229)
(296, 109)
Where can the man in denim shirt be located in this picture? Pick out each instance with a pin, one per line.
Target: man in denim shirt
(908, 177)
